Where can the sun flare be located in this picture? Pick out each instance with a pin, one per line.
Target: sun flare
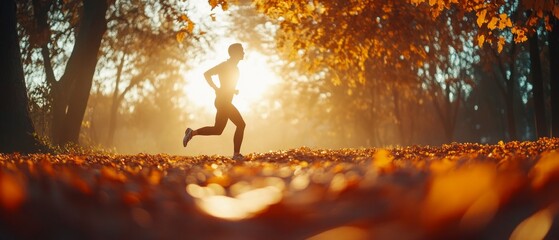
(255, 82)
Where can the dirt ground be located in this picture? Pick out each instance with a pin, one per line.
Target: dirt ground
(454, 191)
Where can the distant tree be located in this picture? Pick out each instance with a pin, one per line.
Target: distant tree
(505, 64)
(138, 52)
(538, 85)
(491, 20)
(342, 37)
(382, 45)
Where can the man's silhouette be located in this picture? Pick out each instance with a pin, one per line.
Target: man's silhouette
(228, 74)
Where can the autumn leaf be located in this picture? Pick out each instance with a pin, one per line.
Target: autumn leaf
(190, 26)
(78, 160)
(480, 40)
(12, 192)
(443, 200)
(481, 17)
(547, 24)
(546, 167)
(310, 7)
(294, 19)
(382, 159)
(532, 21)
(81, 185)
(519, 34)
(224, 5)
(131, 198)
(521, 38)
(417, 2)
(500, 44)
(213, 3)
(321, 9)
(493, 23)
(504, 21)
(453, 191)
(154, 177)
(180, 36)
(112, 174)
(336, 80)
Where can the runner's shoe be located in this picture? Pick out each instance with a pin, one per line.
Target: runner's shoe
(238, 157)
(187, 136)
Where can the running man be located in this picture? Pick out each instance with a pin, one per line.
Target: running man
(228, 74)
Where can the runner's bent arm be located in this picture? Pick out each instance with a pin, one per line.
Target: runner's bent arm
(208, 75)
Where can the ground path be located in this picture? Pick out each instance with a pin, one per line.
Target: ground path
(419, 192)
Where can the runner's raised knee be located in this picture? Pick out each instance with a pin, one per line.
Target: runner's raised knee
(219, 129)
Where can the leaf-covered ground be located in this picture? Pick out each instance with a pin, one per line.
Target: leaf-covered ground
(507, 190)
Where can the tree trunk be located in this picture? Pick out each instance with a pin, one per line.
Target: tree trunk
(447, 113)
(115, 103)
(40, 11)
(554, 76)
(72, 91)
(511, 121)
(509, 98)
(537, 82)
(16, 129)
(398, 116)
(452, 109)
(508, 90)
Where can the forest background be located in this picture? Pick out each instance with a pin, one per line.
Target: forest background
(127, 75)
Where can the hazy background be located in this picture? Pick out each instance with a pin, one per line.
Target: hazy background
(161, 90)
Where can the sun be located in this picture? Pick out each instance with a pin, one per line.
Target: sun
(255, 83)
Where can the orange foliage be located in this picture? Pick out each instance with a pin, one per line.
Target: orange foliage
(12, 191)
(545, 169)
(447, 192)
(536, 226)
(355, 33)
(467, 191)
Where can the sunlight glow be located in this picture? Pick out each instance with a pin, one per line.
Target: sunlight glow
(535, 226)
(12, 192)
(477, 181)
(255, 81)
(343, 232)
(244, 205)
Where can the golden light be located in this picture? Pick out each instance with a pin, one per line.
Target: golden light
(535, 226)
(12, 192)
(546, 167)
(343, 232)
(244, 205)
(255, 82)
(476, 199)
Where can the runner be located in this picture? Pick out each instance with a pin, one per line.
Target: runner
(228, 74)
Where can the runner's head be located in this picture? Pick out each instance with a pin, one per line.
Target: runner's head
(236, 51)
